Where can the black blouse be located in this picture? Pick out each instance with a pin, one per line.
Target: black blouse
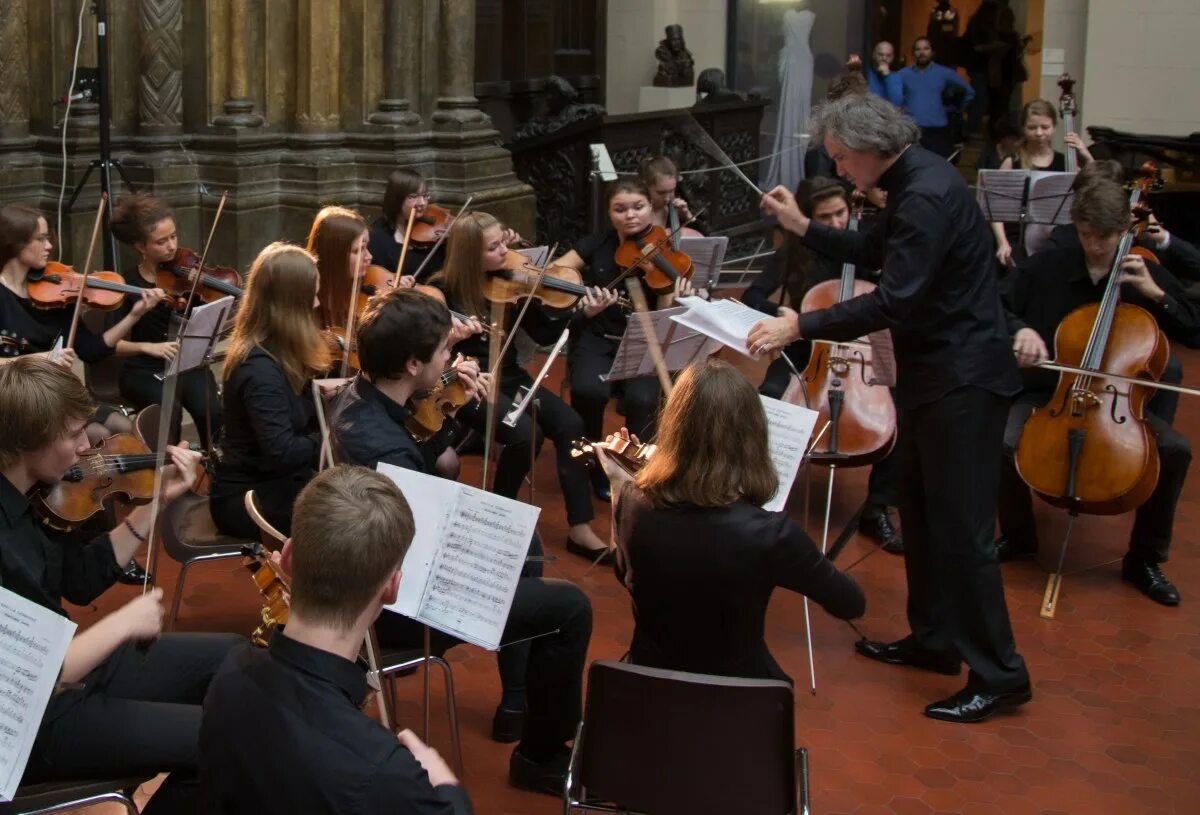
(385, 252)
(599, 254)
(26, 329)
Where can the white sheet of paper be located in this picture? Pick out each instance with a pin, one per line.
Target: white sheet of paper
(194, 341)
(789, 428)
(56, 351)
(681, 346)
(707, 255)
(727, 321)
(33, 643)
(461, 572)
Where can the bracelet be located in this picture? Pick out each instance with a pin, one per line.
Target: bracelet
(134, 532)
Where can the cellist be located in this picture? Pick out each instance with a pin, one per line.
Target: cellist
(1038, 297)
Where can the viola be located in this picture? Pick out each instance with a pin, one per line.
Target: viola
(837, 382)
(430, 226)
(120, 468)
(177, 277)
(559, 289)
(428, 411)
(275, 589)
(59, 286)
(651, 255)
(629, 455)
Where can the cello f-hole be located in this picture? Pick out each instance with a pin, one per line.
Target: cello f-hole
(1112, 409)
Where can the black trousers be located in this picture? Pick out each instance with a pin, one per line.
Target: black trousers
(138, 712)
(554, 662)
(274, 498)
(592, 356)
(197, 394)
(1154, 520)
(555, 419)
(938, 140)
(949, 468)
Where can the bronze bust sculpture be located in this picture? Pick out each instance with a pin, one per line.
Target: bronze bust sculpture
(675, 63)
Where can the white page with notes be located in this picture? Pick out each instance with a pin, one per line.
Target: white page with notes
(789, 428)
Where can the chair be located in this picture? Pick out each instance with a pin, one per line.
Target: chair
(190, 537)
(61, 796)
(102, 378)
(668, 742)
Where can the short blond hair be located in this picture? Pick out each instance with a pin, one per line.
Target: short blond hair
(351, 528)
(38, 399)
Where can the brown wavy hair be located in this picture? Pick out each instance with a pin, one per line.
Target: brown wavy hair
(277, 315)
(18, 225)
(333, 232)
(701, 461)
(135, 216)
(462, 276)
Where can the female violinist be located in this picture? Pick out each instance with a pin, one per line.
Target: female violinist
(475, 248)
(695, 548)
(1039, 297)
(146, 224)
(25, 328)
(661, 178)
(271, 436)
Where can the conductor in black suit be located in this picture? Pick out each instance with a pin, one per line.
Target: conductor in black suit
(956, 375)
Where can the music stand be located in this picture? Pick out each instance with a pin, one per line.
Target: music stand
(1025, 197)
(197, 338)
(681, 346)
(707, 255)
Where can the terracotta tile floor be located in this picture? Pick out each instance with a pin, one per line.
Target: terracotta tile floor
(1113, 727)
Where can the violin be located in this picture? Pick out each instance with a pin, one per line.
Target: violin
(1067, 111)
(629, 455)
(651, 254)
(1089, 449)
(120, 467)
(177, 277)
(275, 589)
(59, 286)
(430, 226)
(559, 288)
(837, 381)
(428, 411)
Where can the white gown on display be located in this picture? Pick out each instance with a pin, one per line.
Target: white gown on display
(795, 100)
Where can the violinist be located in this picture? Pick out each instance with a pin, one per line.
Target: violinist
(956, 375)
(148, 225)
(27, 329)
(1055, 282)
(283, 730)
(271, 435)
(139, 708)
(403, 345)
(698, 553)
(661, 178)
(338, 240)
(793, 271)
(475, 249)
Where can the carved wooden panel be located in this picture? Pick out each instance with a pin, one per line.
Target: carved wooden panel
(160, 85)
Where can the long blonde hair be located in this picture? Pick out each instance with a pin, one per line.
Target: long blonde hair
(463, 273)
(712, 442)
(277, 314)
(333, 232)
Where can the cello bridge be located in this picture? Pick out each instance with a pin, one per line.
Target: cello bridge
(839, 366)
(1081, 400)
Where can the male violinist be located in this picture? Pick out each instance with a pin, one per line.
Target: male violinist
(1053, 283)
(956, 374)
(403, 348)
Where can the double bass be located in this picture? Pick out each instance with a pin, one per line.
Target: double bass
(1066, 112)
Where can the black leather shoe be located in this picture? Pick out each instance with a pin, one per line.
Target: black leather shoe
(907, 652)
(133, 575)
(592, 555)
(507, 725)
(877, 525)
(549, 777)
(1007, 550)
(976, 705)
(1149, 579)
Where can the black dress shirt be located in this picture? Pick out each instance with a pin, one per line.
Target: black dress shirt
(367, 427)
(937, 294)
(599, 254)
(283, 732)
(25, 329)
(702, 579)
(42, 570)
(385, 252)
(1054, 282)
(1180, 258)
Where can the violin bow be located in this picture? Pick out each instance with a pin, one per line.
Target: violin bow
(87, 270)
(638, 297)
(441, 237)
(412, 217)
(352, 310)
(495, 354)
(212, 230)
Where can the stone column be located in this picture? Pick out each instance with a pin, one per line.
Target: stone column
(160, 86)
(318, 65)
(238, 107)
(14, 69)
(456, 104)
(401, 63)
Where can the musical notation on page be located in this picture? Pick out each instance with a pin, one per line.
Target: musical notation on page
(789, 427)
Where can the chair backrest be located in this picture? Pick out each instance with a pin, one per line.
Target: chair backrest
(272, 538)
(145, 425)
(666, 742)
(102, 377)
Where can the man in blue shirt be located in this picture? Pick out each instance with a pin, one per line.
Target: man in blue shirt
(881, 80)
(923, 85)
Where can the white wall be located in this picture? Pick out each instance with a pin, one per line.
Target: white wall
(1143, 66)
(634, 30)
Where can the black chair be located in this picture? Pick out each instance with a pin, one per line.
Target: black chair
(669, 743)
(61, 796)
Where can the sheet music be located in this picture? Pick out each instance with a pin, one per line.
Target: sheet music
(681, 346)
(55, 352)
(883, 358)
(538, 255)
(789, 428)
(727, 321)
(199, 331)
(33, 644)
(1001, 195)
(707, 255)
(602, 163)
(461, 571)
(1051, 197)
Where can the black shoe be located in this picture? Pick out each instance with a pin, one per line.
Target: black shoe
(970, 705)
(592, 555)
(548, 776)
(1007, 550)
(876, 524)
(133, 575)
(907, 652)
(1149, 579)
(507, 725)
